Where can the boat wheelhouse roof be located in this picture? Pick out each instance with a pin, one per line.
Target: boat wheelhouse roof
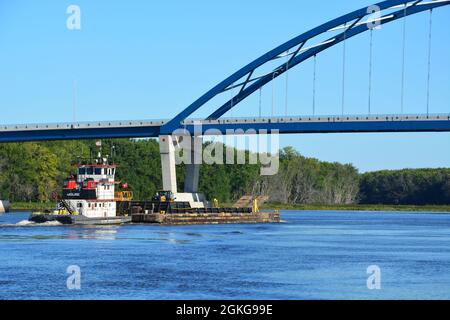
(97, 165)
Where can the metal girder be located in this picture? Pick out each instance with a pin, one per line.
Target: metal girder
(79, 134)
(289, 125)
(297, 58)
(327, 127)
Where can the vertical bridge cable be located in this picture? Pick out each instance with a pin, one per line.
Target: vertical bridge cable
(429, 62)
(370, 71)
(314, 87)
(273, 94)
(232, 99)
(260, 102)
(403, 62)
(74, 101)
(287, 84)
(343, 70)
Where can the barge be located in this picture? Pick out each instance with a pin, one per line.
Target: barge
(186, 213)
(89, 198)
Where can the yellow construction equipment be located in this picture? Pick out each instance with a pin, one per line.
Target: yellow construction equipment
(123, 196)
(164, 196)
(255, 208)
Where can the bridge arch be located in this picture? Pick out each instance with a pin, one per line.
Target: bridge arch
(352, 25)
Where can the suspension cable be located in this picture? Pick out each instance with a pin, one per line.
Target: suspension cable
(429, 62)
(260, 102)
(403, 62)
(232, 100)
(273, 94)
(287, 84)
(370, 71)
(343, 70)
(314, 86)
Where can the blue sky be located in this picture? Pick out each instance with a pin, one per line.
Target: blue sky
(151, 59)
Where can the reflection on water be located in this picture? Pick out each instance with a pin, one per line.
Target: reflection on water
(319, 255)
(94, 233)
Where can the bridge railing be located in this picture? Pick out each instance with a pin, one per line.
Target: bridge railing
(237, 120)
(82, 125)
(322, 118)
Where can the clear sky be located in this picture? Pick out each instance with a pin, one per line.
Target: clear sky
(151, 59)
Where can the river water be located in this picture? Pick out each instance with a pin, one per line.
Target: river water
(314, 255)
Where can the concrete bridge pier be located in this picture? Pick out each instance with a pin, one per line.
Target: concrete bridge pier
(193, 169)
(167, 152)
(167, 145)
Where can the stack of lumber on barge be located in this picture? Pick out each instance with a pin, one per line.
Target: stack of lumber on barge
(247, 201)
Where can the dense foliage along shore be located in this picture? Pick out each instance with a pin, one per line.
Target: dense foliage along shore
(32, 173)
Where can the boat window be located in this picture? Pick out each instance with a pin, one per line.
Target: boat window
(80, 205)
(90, 170)
(82, 171)
(98, 171)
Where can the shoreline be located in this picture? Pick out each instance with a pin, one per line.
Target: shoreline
(30, 206)
(360, 207)
(36, 206)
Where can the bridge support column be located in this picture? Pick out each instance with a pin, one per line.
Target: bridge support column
(193, 169)
(168, 170)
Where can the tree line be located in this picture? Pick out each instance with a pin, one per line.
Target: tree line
(35, 171)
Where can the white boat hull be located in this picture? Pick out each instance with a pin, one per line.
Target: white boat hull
(4, 206)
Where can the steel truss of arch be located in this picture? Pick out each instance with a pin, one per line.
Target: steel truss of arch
(297, 51)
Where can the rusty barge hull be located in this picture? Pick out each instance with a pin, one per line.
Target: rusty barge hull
(206, 218)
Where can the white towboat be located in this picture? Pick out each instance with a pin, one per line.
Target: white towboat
(89, 197)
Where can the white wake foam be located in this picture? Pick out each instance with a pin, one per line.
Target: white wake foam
(27, 223)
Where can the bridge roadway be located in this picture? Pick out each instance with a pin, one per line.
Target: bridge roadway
(284, 125)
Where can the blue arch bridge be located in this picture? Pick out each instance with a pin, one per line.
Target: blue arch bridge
(249, 80)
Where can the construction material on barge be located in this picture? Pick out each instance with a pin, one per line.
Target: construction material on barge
(181, 213)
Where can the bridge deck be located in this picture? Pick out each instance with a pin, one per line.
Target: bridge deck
(284, 125)
(250, 120)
